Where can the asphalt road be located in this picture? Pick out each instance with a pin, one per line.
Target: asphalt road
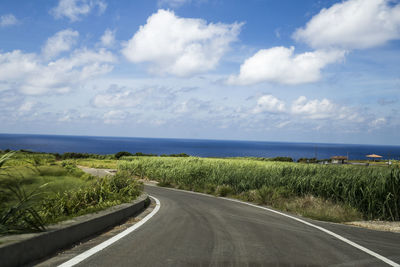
(197, 230)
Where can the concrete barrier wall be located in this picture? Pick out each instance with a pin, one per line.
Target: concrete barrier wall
(33, 247)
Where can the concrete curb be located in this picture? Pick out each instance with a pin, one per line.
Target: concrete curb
(23, 249)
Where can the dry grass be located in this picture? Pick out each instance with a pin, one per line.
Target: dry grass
(98, 163)
(378, 225)
(320, 209)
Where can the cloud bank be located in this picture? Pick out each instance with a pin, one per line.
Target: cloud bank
(32, 75)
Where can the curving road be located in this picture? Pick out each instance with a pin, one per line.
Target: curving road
(197, 230)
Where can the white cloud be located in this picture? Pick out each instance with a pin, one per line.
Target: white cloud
(118, 99)
(8, 20)
(75, 9)
(180, 46)
(60, 42)
(108, 38)
(353, 24)
(315, 109)
(151, 97)
(308, 109)
(31, 75)
(269, 103)
(280, 65)
(282, 124)
(115, 116)
(377, 123)
(27, 106)
(323, 109)
(194, 106)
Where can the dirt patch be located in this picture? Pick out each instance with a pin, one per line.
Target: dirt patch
(378, 225)
(98, 172)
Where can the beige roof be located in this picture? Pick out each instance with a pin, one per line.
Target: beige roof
(373, 156)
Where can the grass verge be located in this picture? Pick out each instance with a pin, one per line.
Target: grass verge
(326, 192)
(36, 190)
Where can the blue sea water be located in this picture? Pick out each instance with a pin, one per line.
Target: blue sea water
(194, 147)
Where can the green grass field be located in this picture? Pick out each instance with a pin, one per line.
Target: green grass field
(40, 187)
(36, 190)
(373, 192)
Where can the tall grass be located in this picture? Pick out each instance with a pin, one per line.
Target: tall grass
(21, 214)
(36, 191)
(100, 194)
(374, 191)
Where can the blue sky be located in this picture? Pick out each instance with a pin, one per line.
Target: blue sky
(302, 71)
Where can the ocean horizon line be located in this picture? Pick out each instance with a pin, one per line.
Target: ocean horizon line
(204, 139)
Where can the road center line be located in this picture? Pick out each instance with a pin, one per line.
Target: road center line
(77, 259)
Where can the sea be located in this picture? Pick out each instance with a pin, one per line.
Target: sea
(194, 147)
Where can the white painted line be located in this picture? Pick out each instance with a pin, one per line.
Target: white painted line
(351, 243)
(341, 238)
(77, 259)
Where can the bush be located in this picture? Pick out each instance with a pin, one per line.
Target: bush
(282, 159)
(269, 195)
(307, 160)
(122, 154)
(224, 190)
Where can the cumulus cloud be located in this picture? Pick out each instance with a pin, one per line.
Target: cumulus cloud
(323, 109)
(180, 46)
(269, 103)
(108, 38)
(60, 42)
(75, 9)
(8, 20)
(303, 108)
(281, 65)
(353, 24)
(31, 75)
(315, 109)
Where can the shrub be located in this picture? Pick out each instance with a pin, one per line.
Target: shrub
(224, 190)
(122, 154)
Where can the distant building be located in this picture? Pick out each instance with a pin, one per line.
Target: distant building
(339, 159)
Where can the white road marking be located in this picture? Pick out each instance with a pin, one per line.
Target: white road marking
(77, 259)
(341, 238)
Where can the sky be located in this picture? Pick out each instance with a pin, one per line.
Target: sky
(293, 71)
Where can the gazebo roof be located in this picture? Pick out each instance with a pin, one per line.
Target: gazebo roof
(373, 156)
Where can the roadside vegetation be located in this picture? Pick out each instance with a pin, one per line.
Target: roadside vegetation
(37, 189)
(327, 192)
